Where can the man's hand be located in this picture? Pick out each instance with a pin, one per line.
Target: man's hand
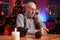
(46, 29)
(43, 31)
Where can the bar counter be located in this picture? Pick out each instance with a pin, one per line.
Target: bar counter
(32, 37)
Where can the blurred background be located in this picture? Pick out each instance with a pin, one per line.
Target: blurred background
(49, 11)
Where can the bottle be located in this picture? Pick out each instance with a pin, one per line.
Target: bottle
(38, 35)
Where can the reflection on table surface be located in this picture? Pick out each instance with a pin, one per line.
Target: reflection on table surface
(32, 37)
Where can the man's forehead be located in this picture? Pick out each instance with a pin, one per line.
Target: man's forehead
(33, 6)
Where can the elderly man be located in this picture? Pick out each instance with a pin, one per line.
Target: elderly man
(31, 19)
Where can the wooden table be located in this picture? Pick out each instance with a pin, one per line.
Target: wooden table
(32, 37)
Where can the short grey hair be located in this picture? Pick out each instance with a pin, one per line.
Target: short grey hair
(29, 4)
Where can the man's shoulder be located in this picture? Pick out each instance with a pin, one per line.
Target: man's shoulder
(20, 15)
